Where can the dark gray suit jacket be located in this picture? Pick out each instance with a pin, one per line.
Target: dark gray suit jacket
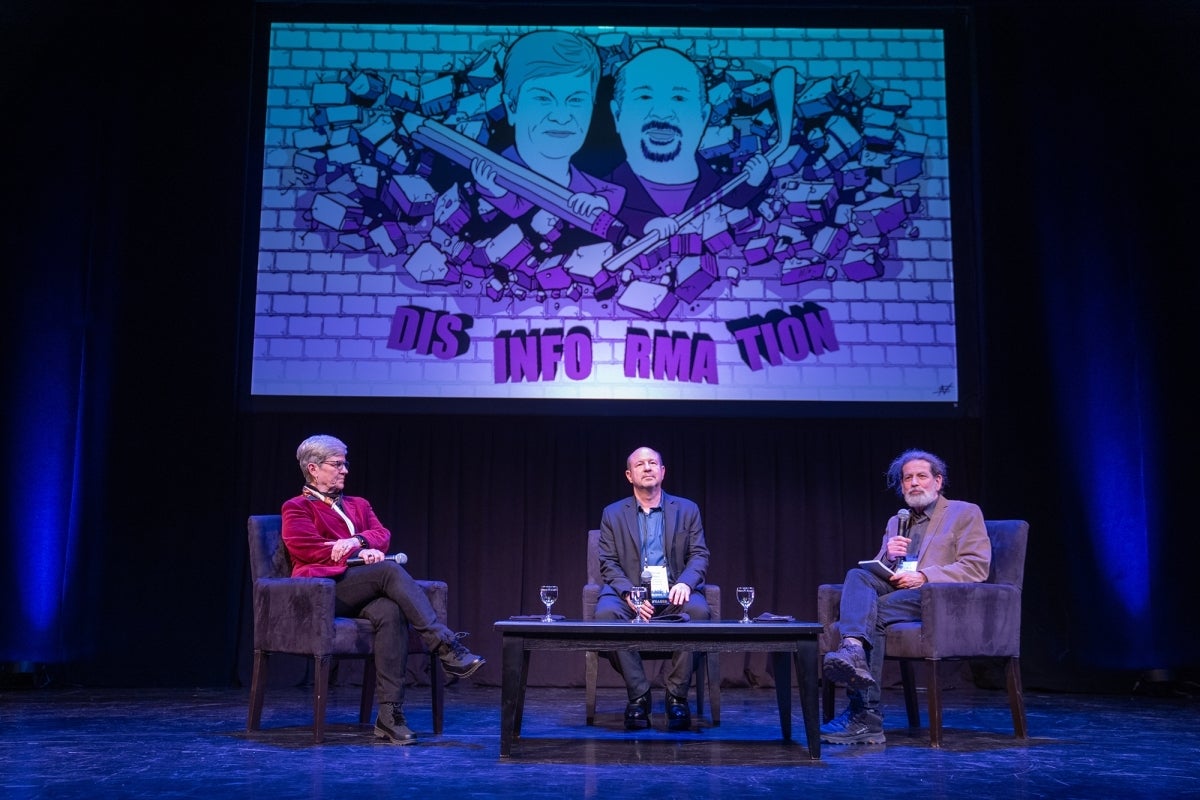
(621, 547)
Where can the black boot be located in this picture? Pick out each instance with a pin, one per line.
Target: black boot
(390, 725)
(457, 659)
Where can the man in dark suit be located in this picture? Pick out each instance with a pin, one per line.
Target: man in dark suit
(661, 537)
(933, 540)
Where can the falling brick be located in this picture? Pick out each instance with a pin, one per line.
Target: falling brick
(428, 265)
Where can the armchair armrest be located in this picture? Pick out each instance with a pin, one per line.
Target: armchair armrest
(591, 596)
(829, 609)
(293, 614)
(438, 593)
(971, 619)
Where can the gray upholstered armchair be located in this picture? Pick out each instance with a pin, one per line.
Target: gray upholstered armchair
(706, 666)
(296, 616)
(958, 621)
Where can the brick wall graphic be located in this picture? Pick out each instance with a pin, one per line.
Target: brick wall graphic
(390, 265)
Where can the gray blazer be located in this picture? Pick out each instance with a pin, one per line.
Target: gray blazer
(683, 540)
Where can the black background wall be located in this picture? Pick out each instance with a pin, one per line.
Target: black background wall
(124, 202)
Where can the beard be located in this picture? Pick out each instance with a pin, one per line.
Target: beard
(919, 499)
(661, 156)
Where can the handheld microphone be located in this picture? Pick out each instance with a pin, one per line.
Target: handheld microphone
(909, 562)
(399, 558)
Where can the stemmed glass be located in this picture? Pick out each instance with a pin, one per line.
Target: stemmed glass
(638, 595)
(549, 594)
(745, 596)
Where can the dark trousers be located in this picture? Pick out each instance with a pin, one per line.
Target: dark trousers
(629, 662)
(387, 596)
(869, 605)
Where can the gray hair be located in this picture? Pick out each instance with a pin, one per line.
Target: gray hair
(895, 473)
(316, 449)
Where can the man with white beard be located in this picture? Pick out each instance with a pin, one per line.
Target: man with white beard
(941, 540)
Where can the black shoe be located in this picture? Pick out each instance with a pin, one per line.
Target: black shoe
(679, 718)
(637, 713)
(457, 659)
(390, 725)
(855, 725)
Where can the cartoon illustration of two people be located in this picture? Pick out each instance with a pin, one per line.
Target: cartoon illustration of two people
(660, 110)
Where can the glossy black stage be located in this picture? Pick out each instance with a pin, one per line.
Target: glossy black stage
(84, 743)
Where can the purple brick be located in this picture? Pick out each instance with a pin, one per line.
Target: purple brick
(861, 265)
(748, 233)
(878, 216)
(686, 243)
(756, 94)
(367, 87)
(586, 265)
(901, 169)
(758, 251)
(650, 300)
(402, 95)
(388, 237)
(437, 95)
(552, 274)
(311, 162)
(548, 226)
(337, 211)
(717, 236)
(430, 267)
(450, 213)
(509, 247)
(693, 275)
(830, 241)
(411, 194)
(816, 99)
(798, 270)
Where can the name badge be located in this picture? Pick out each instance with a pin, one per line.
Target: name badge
(908, 565)
(659, 589)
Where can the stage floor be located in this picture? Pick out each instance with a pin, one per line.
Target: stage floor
(173, 743)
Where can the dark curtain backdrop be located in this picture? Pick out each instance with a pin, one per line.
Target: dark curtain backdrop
(498, 506)
(126, 132)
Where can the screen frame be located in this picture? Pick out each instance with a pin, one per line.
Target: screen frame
(956, 22)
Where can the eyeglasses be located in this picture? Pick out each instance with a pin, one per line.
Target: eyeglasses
(338, 465)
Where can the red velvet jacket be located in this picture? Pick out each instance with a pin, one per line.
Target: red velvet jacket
(309, 526)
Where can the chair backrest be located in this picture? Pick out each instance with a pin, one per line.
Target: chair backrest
(1009, 538)
(268, 557)
(593, 557)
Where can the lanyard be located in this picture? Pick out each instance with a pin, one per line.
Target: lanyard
(329, 501)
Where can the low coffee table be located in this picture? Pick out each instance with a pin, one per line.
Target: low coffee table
(780, 639)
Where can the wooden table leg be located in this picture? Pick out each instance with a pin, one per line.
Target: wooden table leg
(513, 665)
(807, 658)
(783, 692)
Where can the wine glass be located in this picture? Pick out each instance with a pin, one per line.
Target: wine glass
(745, 596)
(638, 595)
(549, 594)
